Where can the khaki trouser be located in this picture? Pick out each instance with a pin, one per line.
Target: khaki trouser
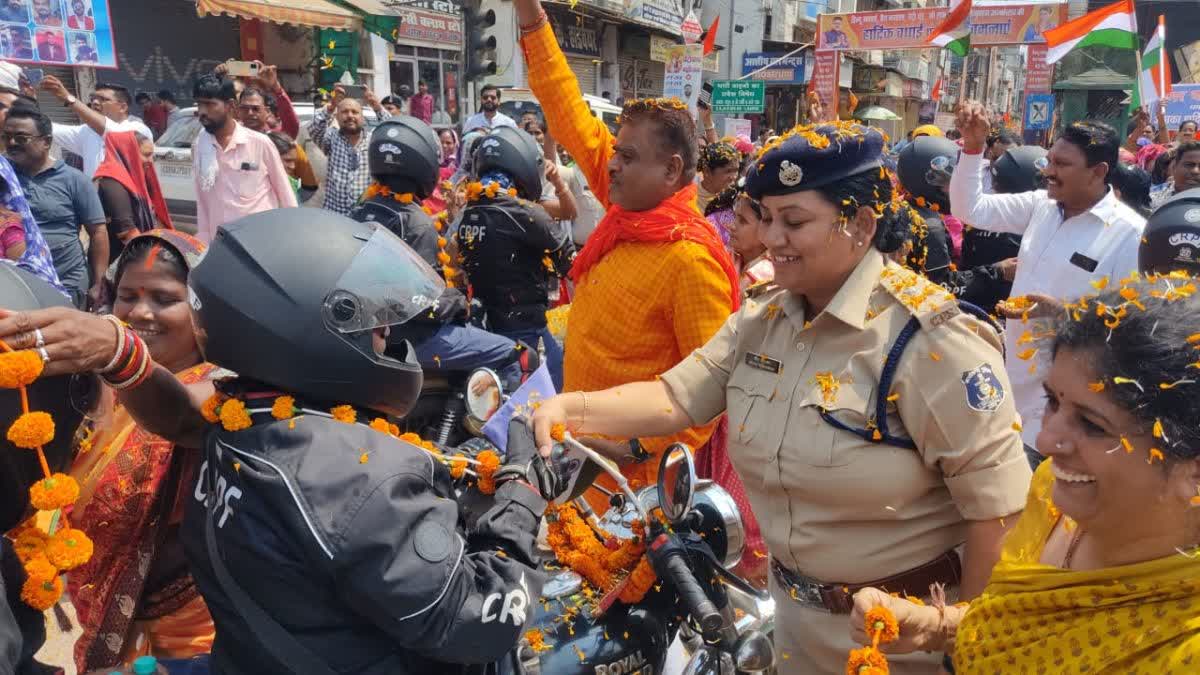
(810, 641)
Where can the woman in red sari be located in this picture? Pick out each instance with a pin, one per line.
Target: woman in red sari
(129, 190)
(135, 596)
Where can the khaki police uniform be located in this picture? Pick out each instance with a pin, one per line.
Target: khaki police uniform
(834, 506)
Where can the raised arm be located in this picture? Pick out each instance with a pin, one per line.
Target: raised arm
(998, 213)
(319, 129)
(584, 136)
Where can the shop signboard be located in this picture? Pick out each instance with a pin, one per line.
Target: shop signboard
(1039, 111)
(774, 67)
(661, 14)
(1039, 75)
(732, 97)
(575, 36)
(991, 25)
(825, 80)
(1184, 104)
(417, 23)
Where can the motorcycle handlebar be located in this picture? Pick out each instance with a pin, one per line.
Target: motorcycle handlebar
(695, 600)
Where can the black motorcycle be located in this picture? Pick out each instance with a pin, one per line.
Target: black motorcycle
(722, 621)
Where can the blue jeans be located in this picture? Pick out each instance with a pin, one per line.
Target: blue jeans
(464, 348)
(197, 665)
(554, 352)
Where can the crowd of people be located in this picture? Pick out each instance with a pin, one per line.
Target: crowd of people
(950, 376)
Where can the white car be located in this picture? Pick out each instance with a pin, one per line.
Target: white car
(173, 158)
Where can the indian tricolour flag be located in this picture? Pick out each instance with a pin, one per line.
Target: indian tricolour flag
(1111, 26)
(954, 32)
(1155, 83)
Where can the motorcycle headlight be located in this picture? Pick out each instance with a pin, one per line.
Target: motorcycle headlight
(722, 522)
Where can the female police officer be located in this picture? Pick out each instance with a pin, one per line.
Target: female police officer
(856, 471)
(320, 544)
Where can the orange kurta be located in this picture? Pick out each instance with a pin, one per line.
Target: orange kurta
(644, 306)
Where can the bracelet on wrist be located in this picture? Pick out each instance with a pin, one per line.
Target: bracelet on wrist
(536, 24)
(120, 351)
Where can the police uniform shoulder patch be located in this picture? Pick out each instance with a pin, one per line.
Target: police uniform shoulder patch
(932, 304)
(432, 541)
(984, 391)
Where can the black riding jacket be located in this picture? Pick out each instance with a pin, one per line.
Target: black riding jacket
(512, 250)
(352, 541)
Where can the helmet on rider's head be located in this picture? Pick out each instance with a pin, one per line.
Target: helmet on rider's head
(925, 166)
(295, 299)
(66, 397)
(513, 153)
(1171, 239)
(1019, 170)
(406, 148)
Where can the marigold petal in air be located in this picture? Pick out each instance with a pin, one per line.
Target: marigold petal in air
(234, 416)
(69, 548)
(1096, 386)
(283, 408)
(1155, 453)
(19, 369)
(53, 492)
(32, 430)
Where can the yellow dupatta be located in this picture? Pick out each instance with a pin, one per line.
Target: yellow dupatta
(1035, 618)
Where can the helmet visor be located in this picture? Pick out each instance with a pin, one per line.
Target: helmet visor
(940, 169)
(386, 284)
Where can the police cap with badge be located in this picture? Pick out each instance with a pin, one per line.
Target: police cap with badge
(1171, 239)
(813, 156)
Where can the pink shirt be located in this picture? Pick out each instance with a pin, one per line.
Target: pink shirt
(421, 107)
(250, 178)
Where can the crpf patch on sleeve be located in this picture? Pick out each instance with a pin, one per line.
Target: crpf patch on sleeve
(432, 541)
(984, 391)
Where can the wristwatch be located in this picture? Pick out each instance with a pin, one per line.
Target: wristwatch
(70, 100)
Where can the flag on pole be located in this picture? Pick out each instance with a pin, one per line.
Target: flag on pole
(1155, 82)
(710, 36)
(936, 94)
(1111, 26)
(954, 32)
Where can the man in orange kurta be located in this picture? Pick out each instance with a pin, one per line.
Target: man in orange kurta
(653, 282)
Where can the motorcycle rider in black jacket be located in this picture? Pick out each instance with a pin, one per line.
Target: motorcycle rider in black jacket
(512, 250)
(322, 545)
(404, 155)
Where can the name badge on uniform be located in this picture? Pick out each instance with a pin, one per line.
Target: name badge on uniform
(761, 362)
(1083, 262)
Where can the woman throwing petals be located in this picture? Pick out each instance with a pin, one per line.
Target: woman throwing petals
(1101, 574)
(844, 495)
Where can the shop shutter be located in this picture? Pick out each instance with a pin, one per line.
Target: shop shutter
(585, 72)
(51, 105)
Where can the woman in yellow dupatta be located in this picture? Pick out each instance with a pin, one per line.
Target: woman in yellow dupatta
(1101, 573)
(135, 596)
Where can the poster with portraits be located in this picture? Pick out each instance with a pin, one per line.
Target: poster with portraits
(57, 32)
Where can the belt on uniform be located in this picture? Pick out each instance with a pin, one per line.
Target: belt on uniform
(946, 569)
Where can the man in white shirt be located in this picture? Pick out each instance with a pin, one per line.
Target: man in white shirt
(490, 116)
(1075, 233)
(108, 111)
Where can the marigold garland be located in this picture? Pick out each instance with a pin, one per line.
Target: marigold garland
(866, 661)
(209, 410)
(489, 462)
(344, 413)
(283, 408)
(579, 547)
(882, 626)
(53, 492)
(42, 556)
(458, 466)
(32, 430)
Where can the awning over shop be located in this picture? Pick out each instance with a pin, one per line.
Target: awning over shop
(319, 13)
(432, 23)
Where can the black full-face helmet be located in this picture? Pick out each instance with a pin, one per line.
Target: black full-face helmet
(1019, 170)
(513, 152)
(406, 147)
(290, 298)
(1171, 239)
(66, 398)
(925, 167)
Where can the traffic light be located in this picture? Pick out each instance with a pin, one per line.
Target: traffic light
(481, 46)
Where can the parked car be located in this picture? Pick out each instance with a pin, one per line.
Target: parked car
(173, 158)
(514, 102)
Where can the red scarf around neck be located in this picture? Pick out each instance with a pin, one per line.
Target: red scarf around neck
(675, 219)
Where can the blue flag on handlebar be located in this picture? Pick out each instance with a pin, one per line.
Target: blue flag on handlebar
(538, 387)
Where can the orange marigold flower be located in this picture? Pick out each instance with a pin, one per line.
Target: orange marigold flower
(209, 409)
(53, 492)
(512, 192)
(344, 413)
(283, 408)
(491, 190)
(1096, 387)
(558, 431)
(18, 369)
(489, 461)
(536, 640)
(458, 465)
(880, 621)
(32, 430)
(443, 257)
(69, 548)
(234, 416)
(1155, 453)
(381, 425)
(405, 198)
(30, 544)
(862, 659)
(40, 569)
(42, 593)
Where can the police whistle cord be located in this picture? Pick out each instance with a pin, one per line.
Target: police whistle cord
(44, 556)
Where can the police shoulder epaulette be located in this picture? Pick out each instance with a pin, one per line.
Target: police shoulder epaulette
(930, 303)
(760, 289)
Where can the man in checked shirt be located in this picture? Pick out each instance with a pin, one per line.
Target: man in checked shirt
(654, 281)
(347, 175)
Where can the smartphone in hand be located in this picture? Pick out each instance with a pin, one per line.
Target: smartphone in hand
(241, 68)
(355, 91)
